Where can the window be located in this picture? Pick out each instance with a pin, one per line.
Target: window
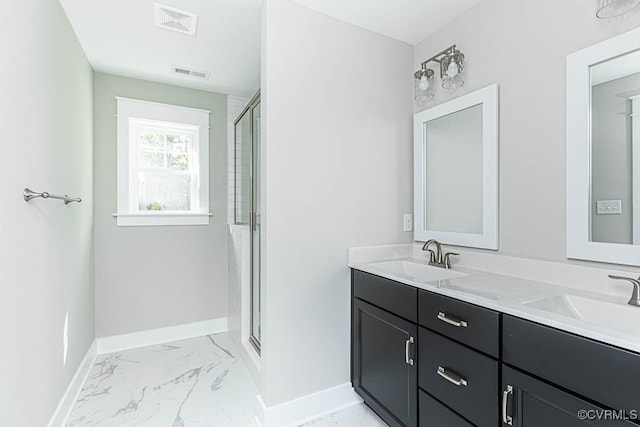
(163, 164)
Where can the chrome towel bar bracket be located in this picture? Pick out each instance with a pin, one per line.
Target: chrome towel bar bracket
(30, 194)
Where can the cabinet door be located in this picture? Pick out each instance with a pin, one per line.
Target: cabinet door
(384, 366)
(528, 402)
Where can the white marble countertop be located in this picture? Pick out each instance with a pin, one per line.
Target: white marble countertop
(510, 295)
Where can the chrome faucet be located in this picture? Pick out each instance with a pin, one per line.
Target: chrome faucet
(635, 296)
(437, 258)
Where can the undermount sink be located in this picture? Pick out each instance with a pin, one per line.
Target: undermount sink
(617, 316)
(416, 271)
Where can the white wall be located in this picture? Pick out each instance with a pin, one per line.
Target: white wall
(337, 173)
(46, 248)
(522, 46)
(152, 277)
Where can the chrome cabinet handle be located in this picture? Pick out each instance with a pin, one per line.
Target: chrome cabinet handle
(454, 322)
(407, 351)
(506, 418)
(451, 377)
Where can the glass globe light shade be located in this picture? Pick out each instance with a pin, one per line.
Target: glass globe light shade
(452, 70)
(424, 83)
(613, 8)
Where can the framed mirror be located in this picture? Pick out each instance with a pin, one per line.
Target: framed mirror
(603, 151)
(456, 171)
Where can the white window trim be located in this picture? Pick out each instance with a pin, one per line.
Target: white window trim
(128, 109)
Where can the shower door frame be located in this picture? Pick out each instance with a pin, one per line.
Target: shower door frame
(253, 103)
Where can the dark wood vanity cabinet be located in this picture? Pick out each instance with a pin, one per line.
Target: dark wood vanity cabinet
(591, 370)
(421, 359)
(383, 347)
(528, 402)
(384, 370)
(452, 384)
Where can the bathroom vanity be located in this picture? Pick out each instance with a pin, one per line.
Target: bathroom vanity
(464, 351)
(435, 347)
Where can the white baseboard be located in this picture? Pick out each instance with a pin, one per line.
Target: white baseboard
(161, 335)
(62, 412)
(306, 408)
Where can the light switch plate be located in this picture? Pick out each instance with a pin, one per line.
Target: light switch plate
(407, 222)
(609, 207)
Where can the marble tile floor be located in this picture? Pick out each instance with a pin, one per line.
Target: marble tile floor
(354, 416)
(199, 382)
(191, 383)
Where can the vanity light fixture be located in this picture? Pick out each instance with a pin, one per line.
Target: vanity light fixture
(613, 8)
(451, 62)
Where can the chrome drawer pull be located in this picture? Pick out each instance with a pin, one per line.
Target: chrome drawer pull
(456, 323)
(452, 378)
(506, 419)
(407, 351)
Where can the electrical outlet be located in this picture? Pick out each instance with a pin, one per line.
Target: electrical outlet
(609, 207)
(407, 222)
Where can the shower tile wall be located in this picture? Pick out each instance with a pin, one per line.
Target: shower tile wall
(235, 105)
(238, 273)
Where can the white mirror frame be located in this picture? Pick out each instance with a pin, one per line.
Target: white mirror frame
(579, 244)
(488, 98)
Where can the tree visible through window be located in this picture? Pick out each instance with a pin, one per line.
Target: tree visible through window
(166, 167)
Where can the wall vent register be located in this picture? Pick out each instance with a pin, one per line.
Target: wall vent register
(175, 19)
(184, 71)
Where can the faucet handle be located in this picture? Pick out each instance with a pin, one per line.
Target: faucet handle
(635, 296)
(628, 279)
(447, 259)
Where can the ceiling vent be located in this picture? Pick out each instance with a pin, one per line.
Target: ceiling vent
(175, 19)
(184, 71)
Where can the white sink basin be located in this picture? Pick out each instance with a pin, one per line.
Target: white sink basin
(617, 316)
(416, 271)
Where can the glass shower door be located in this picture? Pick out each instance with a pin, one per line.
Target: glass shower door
(247, 204)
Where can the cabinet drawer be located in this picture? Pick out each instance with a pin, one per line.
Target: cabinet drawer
(598, 371)
(395, 297)
(476, 396)
(477, 327)
(434, 414)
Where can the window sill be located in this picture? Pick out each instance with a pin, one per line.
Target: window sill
(161, 219)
